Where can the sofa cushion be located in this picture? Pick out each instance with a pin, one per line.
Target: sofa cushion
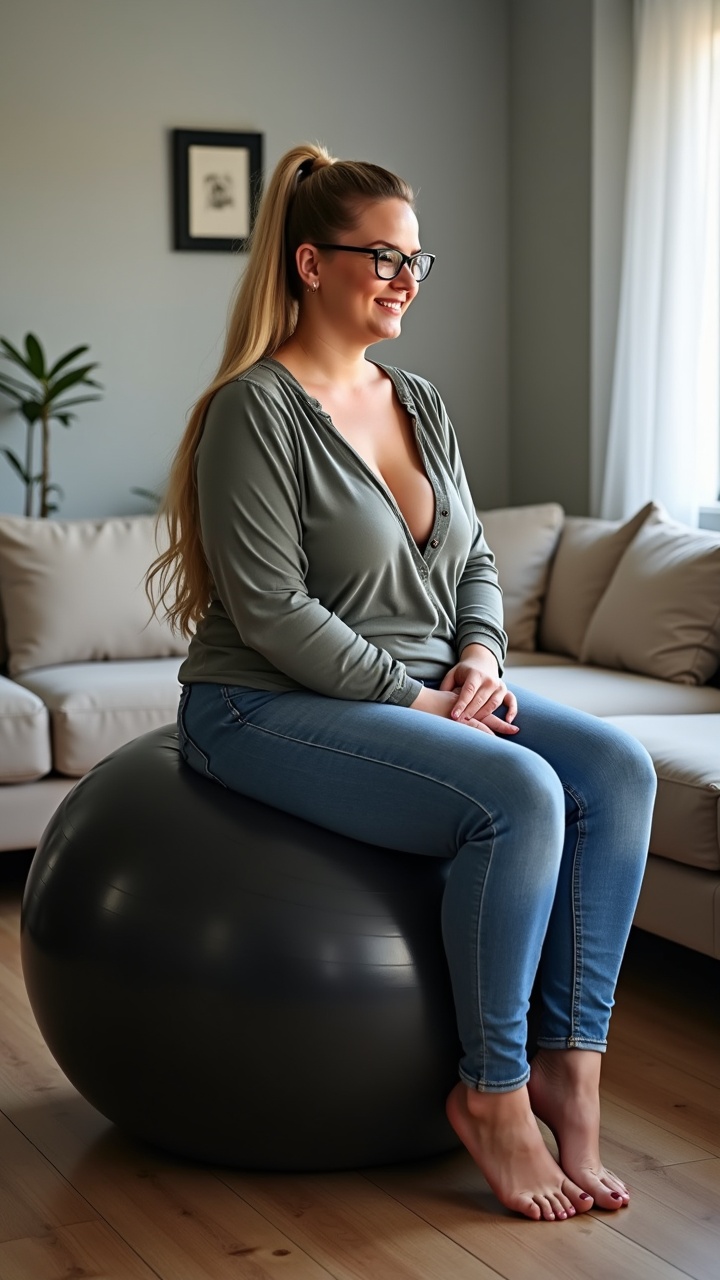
(73, 591)
(521, 658)
(24, 734)
(610, 693)
(686, 754)
(587, 556)
(523, 540)
(97, 707)
(26, 810)
(660, 615)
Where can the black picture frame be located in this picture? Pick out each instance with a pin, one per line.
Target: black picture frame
(217, 178)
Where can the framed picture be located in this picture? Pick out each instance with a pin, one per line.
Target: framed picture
(216, 185)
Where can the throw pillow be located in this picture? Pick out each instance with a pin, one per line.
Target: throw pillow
(73, 591)
(587, 556)
(523, 540)
(660, 615)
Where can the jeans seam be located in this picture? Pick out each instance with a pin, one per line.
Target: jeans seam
(576, 1001)
(478, 915)
(183, 733)
(388, 764)
(225, 693)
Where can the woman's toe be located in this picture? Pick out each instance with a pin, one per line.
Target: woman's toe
(529, 1207)
(566, 1204)
(545, 1207)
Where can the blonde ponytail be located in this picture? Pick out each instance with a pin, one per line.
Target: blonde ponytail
(310, 196)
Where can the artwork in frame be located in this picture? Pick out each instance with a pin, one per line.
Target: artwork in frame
(217, 177)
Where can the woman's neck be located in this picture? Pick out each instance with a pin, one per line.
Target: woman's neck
(322, 362)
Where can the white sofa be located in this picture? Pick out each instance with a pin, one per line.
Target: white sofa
(85, 666)
(622, 620)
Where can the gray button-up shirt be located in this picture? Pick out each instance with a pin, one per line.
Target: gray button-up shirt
(318, 581)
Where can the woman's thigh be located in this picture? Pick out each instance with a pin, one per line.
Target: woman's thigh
(389, 775)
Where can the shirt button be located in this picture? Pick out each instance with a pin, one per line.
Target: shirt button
(443, 513)
(435, 542)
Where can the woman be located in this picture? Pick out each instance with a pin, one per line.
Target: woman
(347, 667)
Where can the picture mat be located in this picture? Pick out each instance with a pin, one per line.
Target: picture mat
(232, 166)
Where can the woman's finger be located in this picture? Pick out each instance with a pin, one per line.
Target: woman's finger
(511, 703)
(501, 727)
(473, 701)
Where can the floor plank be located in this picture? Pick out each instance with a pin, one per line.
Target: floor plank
(453, 1198)
(85, 1251)
(351, 1226)
(630, 1142)
(180, 1218)
(669, 1095)
(676, 1211)
(34, 1198)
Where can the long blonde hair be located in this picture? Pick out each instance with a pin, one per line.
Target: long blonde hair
(310, 198)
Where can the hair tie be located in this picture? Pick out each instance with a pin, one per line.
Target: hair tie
(305, 169)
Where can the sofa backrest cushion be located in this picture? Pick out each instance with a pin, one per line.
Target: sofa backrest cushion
(660, 615)
(523, 540)
(587, 556)
(73, 591)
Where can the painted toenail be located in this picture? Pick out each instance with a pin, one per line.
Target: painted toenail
(616, 1195)
(584, 1196)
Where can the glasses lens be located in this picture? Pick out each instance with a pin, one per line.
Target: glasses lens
(421, 266)
(389, 263)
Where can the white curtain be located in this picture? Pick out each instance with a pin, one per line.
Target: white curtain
(663, 430)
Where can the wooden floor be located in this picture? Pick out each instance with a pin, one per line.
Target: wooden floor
(80, 1201)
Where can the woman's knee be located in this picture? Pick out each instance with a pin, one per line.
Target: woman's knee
(628, 762)
(526, 796)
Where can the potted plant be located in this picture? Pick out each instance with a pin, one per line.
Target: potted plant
(40, 397)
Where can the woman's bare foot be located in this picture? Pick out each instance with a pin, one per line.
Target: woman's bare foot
(502, 1136)
(564, 1093)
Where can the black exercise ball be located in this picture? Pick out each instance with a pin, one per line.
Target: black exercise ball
(233, 984)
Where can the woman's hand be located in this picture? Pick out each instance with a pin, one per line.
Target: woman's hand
(479, 692)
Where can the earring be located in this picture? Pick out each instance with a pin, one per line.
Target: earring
(313, 288)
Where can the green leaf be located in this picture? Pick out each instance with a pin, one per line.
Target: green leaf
(67, 419)
(12, 353)
(69, 380)
(155, 498)
(17, 465)
(71, 355)
(55, 488)
(68, 404)
(7, 390)
(10, 381)
(31, 410)
(35, 355)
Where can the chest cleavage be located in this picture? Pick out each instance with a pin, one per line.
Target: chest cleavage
(384, 437)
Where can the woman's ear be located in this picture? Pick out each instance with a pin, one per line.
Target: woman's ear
(307, 261)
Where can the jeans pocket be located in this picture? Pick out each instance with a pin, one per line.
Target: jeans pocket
(244, 703)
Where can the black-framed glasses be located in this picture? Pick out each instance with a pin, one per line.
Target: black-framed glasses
(390, 262)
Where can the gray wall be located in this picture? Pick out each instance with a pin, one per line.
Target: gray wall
(88, 92)
(570, 77)
(550, 192)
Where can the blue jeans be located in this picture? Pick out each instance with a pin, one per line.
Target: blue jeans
(547, 831)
